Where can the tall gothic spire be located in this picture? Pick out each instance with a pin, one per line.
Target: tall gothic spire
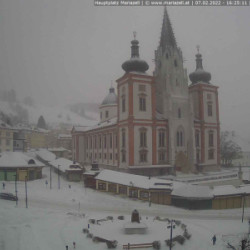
(167, 33)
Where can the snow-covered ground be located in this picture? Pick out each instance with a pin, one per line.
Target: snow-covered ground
(55, 218)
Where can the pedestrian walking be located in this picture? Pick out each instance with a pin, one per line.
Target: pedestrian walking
(67, 247)
(214, 239)
(46, 183)
(74, 244)
(3, 185)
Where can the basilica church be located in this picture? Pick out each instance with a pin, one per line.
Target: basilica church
(155, 124)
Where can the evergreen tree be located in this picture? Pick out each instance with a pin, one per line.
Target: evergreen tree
(41, 123)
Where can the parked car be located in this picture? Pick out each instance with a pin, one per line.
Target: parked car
(8, 196)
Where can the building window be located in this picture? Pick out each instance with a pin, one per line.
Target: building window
(87, 142)
(116, 156)
(110, 156)
(95, 142)
(110, 141)
(143, 156)
(123, 104)
(179, 112)
(7, 142)
(116, 141)
(123, 156)
(211, 139)
(101, 115)
(123, 138)
(100, 156)
(144, 194)
(162, 155)
(198, 156)
(106, 114)
(179, 138)
(133, 193)
(142, 103)
(209, 109)
(105, 156)
(161, 138)
(8, 134)
(210, 154)
(95, 156)
(209, 96)
(197, 139)
(105, 141)
(100, 141)
(101, 186)
(143, 138)
(90, 142)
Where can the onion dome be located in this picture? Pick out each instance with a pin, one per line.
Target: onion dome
(135, 63)
(111, 98)
(199, 75)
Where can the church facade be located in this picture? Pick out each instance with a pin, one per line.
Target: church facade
(155, 124)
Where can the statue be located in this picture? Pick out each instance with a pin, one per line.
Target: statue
(135, 217)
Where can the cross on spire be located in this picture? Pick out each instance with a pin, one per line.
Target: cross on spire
(198, 48)
(134, 34)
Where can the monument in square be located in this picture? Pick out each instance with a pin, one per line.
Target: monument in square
(135, 226)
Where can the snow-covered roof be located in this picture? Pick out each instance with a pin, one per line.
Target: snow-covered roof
(64, 136)
(80, 128)
(104, 124)
(60, 149)
(227, 190)
(18, 159)
(64, 164)
(45, 155)
(138, 181)
(193, 191)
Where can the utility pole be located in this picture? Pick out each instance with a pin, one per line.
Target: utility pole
(16, 189)
(58, 176)
(243, 207)
(26, 192)
(50, 178)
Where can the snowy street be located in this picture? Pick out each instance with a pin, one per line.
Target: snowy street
(55, 218)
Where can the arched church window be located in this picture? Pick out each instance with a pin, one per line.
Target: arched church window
(180, 138)
(179, 112)
(175, 63)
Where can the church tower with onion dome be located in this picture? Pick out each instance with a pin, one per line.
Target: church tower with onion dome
(172, 98)
(204, 97)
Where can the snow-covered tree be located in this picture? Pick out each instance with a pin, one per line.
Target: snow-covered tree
(229, 149)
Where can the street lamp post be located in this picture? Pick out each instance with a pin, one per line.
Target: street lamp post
(171, 233)
(58, 176)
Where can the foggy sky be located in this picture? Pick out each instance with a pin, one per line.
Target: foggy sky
(66, 51)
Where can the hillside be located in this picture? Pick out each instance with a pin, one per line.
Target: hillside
(53, 115)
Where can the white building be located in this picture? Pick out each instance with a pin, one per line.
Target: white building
(158, 123)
